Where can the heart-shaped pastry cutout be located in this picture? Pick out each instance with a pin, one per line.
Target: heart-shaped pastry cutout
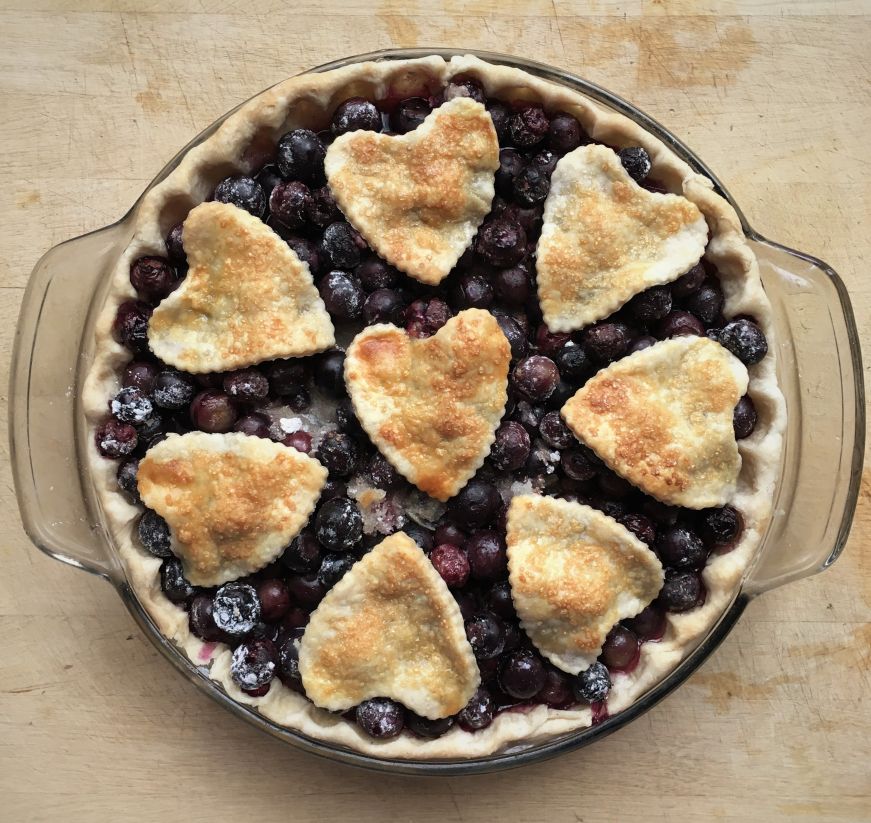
(419, 198)
(574, 573)
(389, 628)
(247, 297)
(431, 406)
(233, 502)
(605, 239)
(662, 418)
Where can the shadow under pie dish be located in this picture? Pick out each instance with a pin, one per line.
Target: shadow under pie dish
(452, 401)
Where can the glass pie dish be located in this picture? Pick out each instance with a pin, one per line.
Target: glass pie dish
(814, 498)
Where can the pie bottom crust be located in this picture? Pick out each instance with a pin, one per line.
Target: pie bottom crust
(238, 146)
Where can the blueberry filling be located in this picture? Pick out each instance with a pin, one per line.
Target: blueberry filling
(262, 617)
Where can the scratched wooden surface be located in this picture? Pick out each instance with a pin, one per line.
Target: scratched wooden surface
(96, 95)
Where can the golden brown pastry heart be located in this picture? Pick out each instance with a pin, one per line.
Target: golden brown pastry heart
(662, 418)
(431, 406)
(247, 297)
(419, 198)
(389, 628)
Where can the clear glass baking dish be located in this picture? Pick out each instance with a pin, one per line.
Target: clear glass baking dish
(819, 366)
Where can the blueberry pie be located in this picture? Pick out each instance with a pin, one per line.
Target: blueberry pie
(433, 408)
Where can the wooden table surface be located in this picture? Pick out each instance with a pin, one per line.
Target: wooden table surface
(95, 96)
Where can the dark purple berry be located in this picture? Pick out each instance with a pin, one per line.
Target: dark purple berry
(342, 294)
(531, 185)
(426, 728)
(287, 669)
(303, 554)
(355, 114)
(115, 439)
(338, 453)
(681, 591)
(678, 323)
(373, 274)
(254, 425)
(243, 192)
(660, 513)
(452, 564)
(173, 390)
(549, 342)
(501, 242)
(384, 306)
(513, 334)
(579, 463)
(557, 691)
(488, 559)
(381, 473)
(605, 342)
(246, 385)
(522, 674)
(478, 712)
(269, 177)
(174, 245)
(592, 684)
(322, 209)
(174, 584)
(513, 285)
(339, 525)
(640, 343)
(423, 318)
(464, 86)
(679, 547)
(131, 405)
(529, 219)
(212, 411)
(510, 449)
(706, 303)
(745, 340)
(620, 650)
(341, 246)
(642, 527)
(510, 163)
(274, 599)
(141, 375)
(333, 568)
(636, 161)
(285, 376)
(450, 533)
(346, 420)
(290, 203)
(648, 624)
(130, 327)
(236, 609)
(614, 486)
(573, 362)
(200, 620)
(420, 535)
(528, 415)
(690, 282)
(472, 291)
(564, 133)
(535, 377)
(300, 156)
(306, 251)
(329, 373)
(253, 664)
(153, 277)
(126, 476)
(721, 528)
(486, 635)
(555, 432)
(500, 115)
(306, 590)
(381, 717)
(652, 304)
(476, 505)
(409, 114)
(154, 534)
(528, 126)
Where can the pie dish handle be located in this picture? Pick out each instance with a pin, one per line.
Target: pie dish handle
(50, 357)
(820, 374)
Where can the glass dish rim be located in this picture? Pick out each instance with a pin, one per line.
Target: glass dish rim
(578, 738)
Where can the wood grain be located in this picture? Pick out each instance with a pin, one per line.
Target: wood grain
(97, 95)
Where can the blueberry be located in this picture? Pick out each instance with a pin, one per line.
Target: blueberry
(212, 411)
(636, 161)
(486, 635)
(274, 599)
(333, 568)
(174, 245)
(514, 334)
(339, 454)
(535, 377)
(557, 691)
(154, 534)
(381, 473)
(140, 374)
(381, 717)
(300, 156)
(305, 250)
(478, 712)
(253, 664)
(679, 323)
(528, 415)
(341, 246)
(420, 535)
(652, 304)
(355, 114)
(605, 342)
(463, 86)
(706, 303)
(640, 343)
(681, 591)
(288, 665)
(642, 527)
(173, 582)
(528, 126)
(173, 390)
(745, 340)
(339, 525)
(476, 505)
(342, 294)
(290, 203)
(126, 477)
(153, 277)
(306, 589)
(648, 624)
(542, 460)
(426, 728)
(346, 420)
(679, 547)
(513, 285)
(201, 621)
(620, 649)
(246, 385)
(130, 327)
(284, 376)
(522, 674)
(500, 115)
(114, 439)
(531, 185)
(501, 242)
(579, 463)
(322, 209)
(573, 362)
(373, 274)
(488, 559)
(592, 684)
(303, 554)
(472, 291)
(498, 600)
(244, 192)
(423, 318)
(409, 114)
(555, 432)
(236, 609)
(510, 164)
(690, 282)
(269, 177)
(721, 527)
(510, 448)
(131, 405)
(329, 373)
(451, 563)
(564, 133)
